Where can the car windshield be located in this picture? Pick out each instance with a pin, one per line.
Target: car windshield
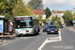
(52, 27)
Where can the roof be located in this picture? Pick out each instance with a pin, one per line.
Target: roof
(59, 12)
(38, 12)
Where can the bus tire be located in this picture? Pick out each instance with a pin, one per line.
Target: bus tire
(19, 35)
(38, 32)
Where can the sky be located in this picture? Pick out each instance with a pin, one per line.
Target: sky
(61, 5)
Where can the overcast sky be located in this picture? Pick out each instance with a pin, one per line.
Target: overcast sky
(58, 4)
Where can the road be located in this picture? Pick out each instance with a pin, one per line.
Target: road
(35, 42)
(67, 43)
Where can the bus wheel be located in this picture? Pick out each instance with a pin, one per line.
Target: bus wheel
(19, 35)
(38, 32)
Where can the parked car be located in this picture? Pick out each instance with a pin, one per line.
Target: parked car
(45, 27)
(52, 29)
(60, 26)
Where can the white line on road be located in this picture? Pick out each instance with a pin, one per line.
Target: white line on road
(48, 41)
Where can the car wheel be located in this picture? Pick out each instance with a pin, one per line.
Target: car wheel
(47, 33)
(57, 32)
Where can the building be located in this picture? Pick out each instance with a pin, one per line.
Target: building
(60, 13)
(36, 12)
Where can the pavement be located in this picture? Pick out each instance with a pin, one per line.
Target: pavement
(4, 38)
(66, 41)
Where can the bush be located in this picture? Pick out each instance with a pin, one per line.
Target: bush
(55, 18)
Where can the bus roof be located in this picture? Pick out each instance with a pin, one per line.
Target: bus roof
(28, 16)
(35, 17)
(23, 16)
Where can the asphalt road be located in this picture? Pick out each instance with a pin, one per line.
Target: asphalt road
(34, 42)
(67, 43)
(26, 42)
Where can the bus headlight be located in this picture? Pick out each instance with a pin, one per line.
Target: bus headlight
(31, 30)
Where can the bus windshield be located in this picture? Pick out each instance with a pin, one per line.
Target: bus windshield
(25, 23)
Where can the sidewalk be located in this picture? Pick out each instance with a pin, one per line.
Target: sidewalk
(6, 37)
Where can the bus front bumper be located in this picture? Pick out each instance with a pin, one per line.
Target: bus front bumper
(27, 33)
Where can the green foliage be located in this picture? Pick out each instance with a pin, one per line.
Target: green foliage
(6, 8)
(47, 12)
(55, 18)
(39, 16)
(36, 4)
(44, 20)
(22, 9)
(68, 16)
(56, 24)
(74, 16)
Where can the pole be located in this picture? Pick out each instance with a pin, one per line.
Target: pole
(15, 7)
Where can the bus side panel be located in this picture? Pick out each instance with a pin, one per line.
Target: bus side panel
(36, 25)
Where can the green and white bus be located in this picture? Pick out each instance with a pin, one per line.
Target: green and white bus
(26, 25)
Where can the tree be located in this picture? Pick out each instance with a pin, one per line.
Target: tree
(68, 16)
(74, 16)
(39, 16)
(56, 18)
(22, 9)
(6, 8)
(47, 12)
(36, 4)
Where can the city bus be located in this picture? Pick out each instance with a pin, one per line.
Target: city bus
(26, 25)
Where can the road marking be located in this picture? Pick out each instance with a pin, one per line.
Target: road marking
(13, 41)
(48, 41)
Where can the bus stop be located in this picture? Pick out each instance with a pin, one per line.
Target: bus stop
(4, 27)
